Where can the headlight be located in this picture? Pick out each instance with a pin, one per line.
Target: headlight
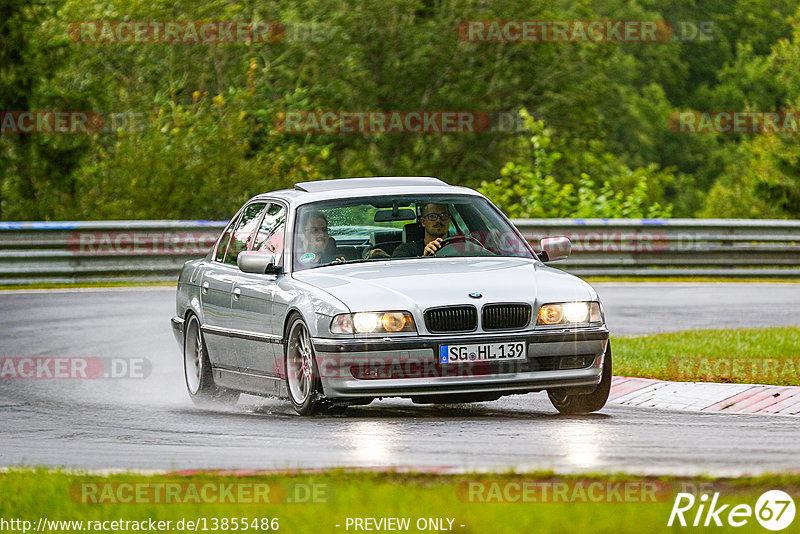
(390, 322)
(569, 313)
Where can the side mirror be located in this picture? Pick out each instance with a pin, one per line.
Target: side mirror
(554, 248)
(250, 261)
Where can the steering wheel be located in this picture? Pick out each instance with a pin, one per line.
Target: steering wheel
(460, 238)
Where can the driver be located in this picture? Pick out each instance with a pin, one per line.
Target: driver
(435, 220)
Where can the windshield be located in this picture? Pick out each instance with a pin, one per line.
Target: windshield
(396, 228)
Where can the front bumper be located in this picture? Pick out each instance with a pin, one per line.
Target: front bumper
(415, 358)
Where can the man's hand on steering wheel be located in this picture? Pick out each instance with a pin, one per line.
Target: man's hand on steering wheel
(438, 244)
(433, 247)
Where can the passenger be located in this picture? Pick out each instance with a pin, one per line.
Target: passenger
(435, 220)
(317, 247)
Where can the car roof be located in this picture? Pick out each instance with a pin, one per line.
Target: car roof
(362, 183)
(305, 192)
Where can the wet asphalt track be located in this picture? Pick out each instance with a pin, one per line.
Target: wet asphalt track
(151, 424)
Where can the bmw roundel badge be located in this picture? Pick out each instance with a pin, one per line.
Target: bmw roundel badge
(475, 295)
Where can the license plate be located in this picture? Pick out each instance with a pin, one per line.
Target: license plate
(482, 352)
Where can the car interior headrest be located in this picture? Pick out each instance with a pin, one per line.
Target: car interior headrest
(382, 236)
(413, 232)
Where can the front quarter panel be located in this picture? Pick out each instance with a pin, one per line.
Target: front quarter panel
(554, 285)
(316, 306)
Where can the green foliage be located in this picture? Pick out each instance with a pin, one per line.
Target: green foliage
(191, 162)
(763, 183)
(605, 106)
(762, 178)
(36, 171)
(528, 189)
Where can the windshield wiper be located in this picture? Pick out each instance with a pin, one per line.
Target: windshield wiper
(349, 262)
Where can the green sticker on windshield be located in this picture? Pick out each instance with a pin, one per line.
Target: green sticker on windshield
(305, 258)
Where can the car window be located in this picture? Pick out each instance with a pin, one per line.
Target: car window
(223, 241)
(244, 229)
(384, 228)
(458, 224)
(269, 238)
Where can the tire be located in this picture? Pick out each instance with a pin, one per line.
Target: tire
(567, 403)
(302, 375)
(197, 369)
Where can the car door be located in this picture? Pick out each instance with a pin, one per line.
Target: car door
(217, 288)
(216, 284)
(252, 306)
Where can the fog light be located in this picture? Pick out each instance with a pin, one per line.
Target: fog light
(575, 362)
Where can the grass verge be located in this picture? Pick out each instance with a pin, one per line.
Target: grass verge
(319, 502)
(745, 356)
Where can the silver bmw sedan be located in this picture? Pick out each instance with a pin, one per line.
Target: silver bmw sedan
(339, 292)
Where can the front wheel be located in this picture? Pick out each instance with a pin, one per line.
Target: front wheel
(302, 375)
(568, 403)
(197, 369)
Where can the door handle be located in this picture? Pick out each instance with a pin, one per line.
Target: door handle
(236, 293)
(205, 288)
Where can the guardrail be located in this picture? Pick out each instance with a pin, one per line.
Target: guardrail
(674, 247)
(101, 251)
(65, 252)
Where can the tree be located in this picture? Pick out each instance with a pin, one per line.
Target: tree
(762, 180)
(527, 188)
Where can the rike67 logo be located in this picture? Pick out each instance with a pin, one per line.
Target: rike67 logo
(774, 510)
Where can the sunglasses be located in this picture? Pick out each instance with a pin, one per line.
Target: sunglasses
(435, 216)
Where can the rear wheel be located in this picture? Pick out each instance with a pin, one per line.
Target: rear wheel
(568, 403)
(197, 369)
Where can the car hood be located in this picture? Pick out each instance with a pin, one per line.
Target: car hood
(418, 284)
